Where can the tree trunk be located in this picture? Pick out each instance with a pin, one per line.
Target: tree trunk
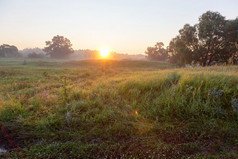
(205, 60)
(210, 59)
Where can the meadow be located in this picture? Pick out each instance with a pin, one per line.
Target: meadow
(117, 109)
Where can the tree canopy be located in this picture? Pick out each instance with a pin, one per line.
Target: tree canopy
(8, 51)
(59, 47)
(210, 41)
(157, 53)
(232, 35)
(232, 31)
(181, 47)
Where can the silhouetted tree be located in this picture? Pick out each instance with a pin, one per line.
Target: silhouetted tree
(232, 34)
(205, 43)
(157, 53)
(8, 51)
(59, 47)
(213, 39)
(181, 47)
(232, 31)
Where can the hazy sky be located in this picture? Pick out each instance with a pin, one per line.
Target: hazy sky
(126, 26)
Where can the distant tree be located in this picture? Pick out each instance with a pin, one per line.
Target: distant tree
(36, 55)
(59, 47)
(8, 51)
(31, 50)
(157, 53)
(206, 42)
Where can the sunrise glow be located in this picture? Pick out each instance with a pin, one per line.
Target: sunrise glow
(104, 52)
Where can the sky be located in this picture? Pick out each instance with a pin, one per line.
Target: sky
(124, 26)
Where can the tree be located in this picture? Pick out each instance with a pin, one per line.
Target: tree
(8, 51)
(59, 47)
(232, 35)
(213, 40)
(205, 43)
(181, 47)
(36, 55)
(157, 53)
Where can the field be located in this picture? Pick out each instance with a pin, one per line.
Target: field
(117, 109)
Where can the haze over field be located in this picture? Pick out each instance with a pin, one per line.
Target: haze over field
(123, 26)
(125, 79)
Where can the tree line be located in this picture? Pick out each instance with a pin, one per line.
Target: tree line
(58, 47)
(213, 40)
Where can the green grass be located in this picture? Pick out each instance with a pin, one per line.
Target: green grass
(118, 109)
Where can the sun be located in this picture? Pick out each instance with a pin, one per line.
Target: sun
(104, 52)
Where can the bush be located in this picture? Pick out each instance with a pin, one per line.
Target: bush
(36, 55)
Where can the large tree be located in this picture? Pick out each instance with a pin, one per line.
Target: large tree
(213, 40)
(181, 47)
(232, 31)
(8, 51)
(59, 47)
(157, 53)
(232, 35)
(205, 43)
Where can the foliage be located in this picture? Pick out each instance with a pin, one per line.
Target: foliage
(36, 55)
(232, 35)
(8, 51)
(157, 53)
(206, 43)
(232, 30)
(59, 47)
(181, 47)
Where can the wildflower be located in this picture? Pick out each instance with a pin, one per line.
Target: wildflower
(234, 104)
(218, 110)
(216, 93)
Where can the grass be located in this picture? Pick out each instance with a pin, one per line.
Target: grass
(118, 109)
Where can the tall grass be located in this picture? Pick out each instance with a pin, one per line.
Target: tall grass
(123, 112)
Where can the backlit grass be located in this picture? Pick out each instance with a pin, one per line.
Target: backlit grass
(118, 109)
